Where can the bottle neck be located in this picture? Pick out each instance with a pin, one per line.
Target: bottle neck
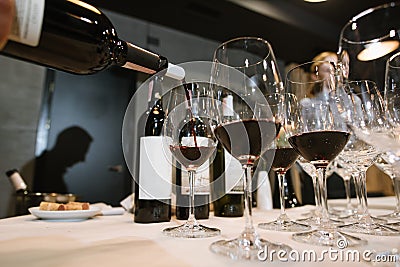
(155, 93)
(136, 58)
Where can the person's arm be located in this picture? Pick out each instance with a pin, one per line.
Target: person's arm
(7, 9)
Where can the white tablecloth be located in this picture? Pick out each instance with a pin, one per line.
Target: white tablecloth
(118, 241)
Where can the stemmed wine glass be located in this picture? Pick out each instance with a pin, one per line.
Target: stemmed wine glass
(367, 40)
(319, 135)
(344, 171)
(386, 162)
(364, 109)
(391, 161)
(285, 156)
(248, 133)
(188, 134)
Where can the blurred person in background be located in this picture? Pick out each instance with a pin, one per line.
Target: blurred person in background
(318, 92)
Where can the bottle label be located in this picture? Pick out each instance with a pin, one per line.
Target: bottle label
(233, 175)
(28, 20)
(201, 182)
(17, 181)
(155, 169)
(227, 106)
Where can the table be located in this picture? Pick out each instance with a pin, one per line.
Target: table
(118, 241)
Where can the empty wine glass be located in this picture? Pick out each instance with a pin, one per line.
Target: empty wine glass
(319, 135)
(367, 41)
(344, 171)
(284, 107)
(248, 133)
(389, 162)
(365, 110)
(386, 162)
(188, 134)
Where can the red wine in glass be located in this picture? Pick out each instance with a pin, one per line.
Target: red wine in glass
(247, 137)
(283, 159)
(192, 157)
(319, 147)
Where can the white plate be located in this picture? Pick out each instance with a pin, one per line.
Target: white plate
(66, 215)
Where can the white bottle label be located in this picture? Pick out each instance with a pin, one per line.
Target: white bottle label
(27, 24)
(227, 106)
(233, 175)
(202, 177)
(155, 169)
(17, 181)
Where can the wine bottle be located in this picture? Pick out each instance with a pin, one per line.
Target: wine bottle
(21, 191)
(75, 37)
(153, 188)
(227, 185)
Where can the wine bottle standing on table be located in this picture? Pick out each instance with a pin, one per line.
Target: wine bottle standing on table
(227, 183)
(153, 188)
(75, 37)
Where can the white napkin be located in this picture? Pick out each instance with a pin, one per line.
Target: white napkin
(128, 202)
(264, 194)
(108, 210)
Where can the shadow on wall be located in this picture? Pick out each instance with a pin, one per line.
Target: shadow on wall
(70, 148)
(49, 168)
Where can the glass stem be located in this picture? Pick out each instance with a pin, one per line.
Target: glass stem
(396, 188)
(324, 197)
(192, 218)
(248, 199)
(348, 194)
(362, 184)
(282, 185)
(317, 193)
(358, 194)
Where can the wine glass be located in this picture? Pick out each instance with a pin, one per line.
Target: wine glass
(365, 111)
(367, 41)
(188, 134)
(344, 171)
(389, 161)
(386, 162)
(318, 135)
(251, 75)
(283, 106)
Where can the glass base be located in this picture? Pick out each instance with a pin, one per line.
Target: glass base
(395, 225)
(247, 247)
(370, 229)
(391, 216)
(342, 213)
(284, 226)
(188, 230)
(316, 221)
(357, 218)
(328, 237)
